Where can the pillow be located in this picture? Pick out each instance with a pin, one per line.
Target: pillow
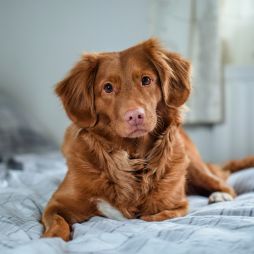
(19, 132)
(242, 181)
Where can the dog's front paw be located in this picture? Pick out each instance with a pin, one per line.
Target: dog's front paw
(216, 197)
(59, 228)
(150, 218)
(164, 215)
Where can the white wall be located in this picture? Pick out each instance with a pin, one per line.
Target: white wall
(40, 41)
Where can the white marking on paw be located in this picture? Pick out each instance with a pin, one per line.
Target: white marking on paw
(219, 197)
(109, 211)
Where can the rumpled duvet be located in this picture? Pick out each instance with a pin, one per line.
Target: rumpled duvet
(226, 227)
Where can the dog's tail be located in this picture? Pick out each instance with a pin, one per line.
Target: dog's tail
(237, 165)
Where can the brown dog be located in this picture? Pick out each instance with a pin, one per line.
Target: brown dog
(127, 155)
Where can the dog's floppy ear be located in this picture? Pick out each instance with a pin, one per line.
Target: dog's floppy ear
(174, 72)
(77, 91)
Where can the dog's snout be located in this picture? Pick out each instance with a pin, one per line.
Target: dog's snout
(135, 117)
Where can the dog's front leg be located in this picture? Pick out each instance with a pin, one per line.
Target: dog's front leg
(167, 201)
(67, 206)
(167, 214)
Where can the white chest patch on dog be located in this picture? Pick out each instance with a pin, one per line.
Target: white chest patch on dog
(109, 211)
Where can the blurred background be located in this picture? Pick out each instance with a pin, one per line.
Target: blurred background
(41, 40)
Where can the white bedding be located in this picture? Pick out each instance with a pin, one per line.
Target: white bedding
(219, 228)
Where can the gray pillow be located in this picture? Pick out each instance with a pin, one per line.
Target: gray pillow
(242, 181)
(19, 132)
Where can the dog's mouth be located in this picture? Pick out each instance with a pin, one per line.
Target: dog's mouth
(125, 130)
(138, 132)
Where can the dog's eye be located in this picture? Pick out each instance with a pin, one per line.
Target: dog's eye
(108, 88)
(146, 81)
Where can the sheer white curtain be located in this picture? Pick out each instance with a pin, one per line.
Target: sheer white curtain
(191, 27)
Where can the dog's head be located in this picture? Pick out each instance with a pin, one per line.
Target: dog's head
(124, 90)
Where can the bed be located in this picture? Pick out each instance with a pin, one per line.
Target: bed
(218, 228)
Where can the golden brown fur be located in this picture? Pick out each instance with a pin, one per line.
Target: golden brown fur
(139, 169)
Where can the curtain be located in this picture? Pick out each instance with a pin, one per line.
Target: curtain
(191, 27)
